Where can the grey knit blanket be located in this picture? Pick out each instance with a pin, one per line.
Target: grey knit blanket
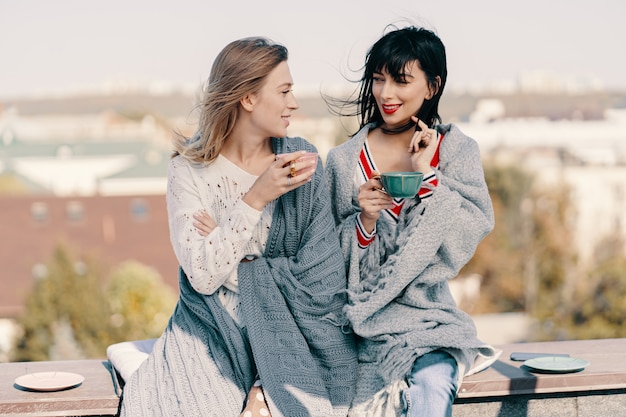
(292, 300)
(399, 300)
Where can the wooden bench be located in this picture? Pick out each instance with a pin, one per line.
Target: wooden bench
(506, 389)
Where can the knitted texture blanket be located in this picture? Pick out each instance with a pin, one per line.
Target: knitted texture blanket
(293, 338)
(399, 301)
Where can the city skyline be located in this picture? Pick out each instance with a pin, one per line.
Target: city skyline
(72, 45)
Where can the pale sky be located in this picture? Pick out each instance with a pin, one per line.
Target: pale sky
(54, 45)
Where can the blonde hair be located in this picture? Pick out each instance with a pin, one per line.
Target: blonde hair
(239, 69)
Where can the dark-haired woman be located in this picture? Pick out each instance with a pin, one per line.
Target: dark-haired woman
(415, 344)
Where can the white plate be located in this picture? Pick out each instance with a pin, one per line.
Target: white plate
(557, 364)
(49, 381)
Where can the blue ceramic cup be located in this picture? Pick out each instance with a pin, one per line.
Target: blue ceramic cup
(401, 184)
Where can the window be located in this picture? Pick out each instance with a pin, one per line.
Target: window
(39, 211)
(139, 209)
(74, 211)
(39, 271)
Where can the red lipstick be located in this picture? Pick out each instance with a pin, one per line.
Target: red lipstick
(390, 108)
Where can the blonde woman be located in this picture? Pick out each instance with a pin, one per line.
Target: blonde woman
(258, 327)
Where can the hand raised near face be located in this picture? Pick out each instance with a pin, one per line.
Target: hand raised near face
(288, 172)
(423, 147)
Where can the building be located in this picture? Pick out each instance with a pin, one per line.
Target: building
(107, 229)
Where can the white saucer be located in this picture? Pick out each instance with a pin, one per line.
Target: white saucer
(557, 364)
(49, 381)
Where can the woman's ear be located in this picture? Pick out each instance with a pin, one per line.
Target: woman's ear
(248, 102)
(433, 88)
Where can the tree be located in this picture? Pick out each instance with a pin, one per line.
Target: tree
(140, 302)
(528, 261)
(554, 257)
(70, 314)
(499, 258)
(66, 313)
(598, 308)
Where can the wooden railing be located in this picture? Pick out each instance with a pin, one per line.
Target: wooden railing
(97, 395)
(506, 389)
(509, 389)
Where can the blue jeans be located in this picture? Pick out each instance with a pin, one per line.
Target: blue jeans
(432, 386)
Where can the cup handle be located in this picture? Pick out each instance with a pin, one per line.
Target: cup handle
(376, 176)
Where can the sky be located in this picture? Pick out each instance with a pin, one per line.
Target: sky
(54, 46)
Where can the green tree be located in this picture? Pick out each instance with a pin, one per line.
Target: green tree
(66, 313)
(140, 302)
(70, 314)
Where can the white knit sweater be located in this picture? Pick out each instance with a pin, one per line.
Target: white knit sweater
(211, 262)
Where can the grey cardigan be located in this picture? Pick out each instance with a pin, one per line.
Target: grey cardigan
(291, 305)
(399, 300)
